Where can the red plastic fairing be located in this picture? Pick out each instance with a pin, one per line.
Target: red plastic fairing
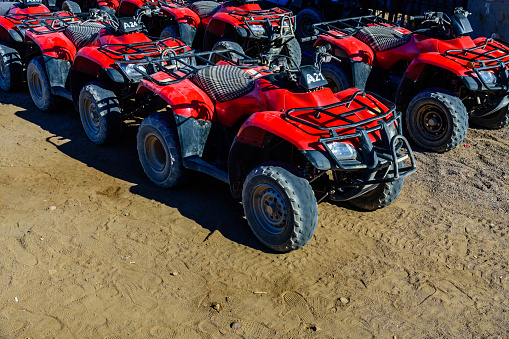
(438, 60)
(184, 97)
(108, 3)
(56, 44)
(29, 10)
(353, 47)
(7, 24)
(182, 15)
(129, 7)
(388, 58)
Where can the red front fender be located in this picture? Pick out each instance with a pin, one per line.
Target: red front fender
(255, 128)
(435, 59)
(350, 47)
(129, 7)
(182, 15)
(184, 97)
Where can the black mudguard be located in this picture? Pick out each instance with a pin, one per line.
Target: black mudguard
(193, 134)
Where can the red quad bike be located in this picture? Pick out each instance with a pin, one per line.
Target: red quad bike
(440, 77)
(240, 25)
(278, 137)
(12, 36)
(91, 63)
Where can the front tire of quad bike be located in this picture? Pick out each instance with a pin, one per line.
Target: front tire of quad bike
(11, 69)
(100, 113)
(39, 86)
(496, 120)
(292, 49)
(305, 20)
(436, 120)
(280, 207)
(338, 79)
(159, 151)
(171, 31)
(226, 44)
(381, 196)
(71, 6)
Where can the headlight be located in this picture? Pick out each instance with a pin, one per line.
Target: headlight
(131, 71)
(488, 77)
(257, 29)
(341, 150)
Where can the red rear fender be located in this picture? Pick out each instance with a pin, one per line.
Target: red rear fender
(254, 130)
(182, 15)
(108, 3)
(351, 48)
(7, 26)
(29, 10)
(184, 97)
(56, 45)
(129, 7)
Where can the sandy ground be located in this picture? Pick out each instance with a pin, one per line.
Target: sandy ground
(90, 248)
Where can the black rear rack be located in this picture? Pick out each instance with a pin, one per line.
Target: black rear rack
(180, 66)
(141, 49)
(52, 23)
(161, 3)
(483, 60)
(271, 14)
(350, 26)
(18, 18)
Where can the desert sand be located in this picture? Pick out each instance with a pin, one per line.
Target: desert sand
(91, 249)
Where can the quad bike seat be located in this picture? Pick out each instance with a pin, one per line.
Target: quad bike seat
(382, 38)
(84, 33)
(224, 82)
(204, 8)
(5, 7)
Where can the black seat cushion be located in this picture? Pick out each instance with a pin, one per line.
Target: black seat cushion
(5, 7)
(83, 34)
(204, 8)
(382, 38)
(224, 82)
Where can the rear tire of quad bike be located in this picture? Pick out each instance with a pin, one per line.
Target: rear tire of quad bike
(496, 120)
(280, 207)
(171, 31)
(39, 87)
(292, 49)
(11, 70)
(100, 113)
(436, 120)
(159, 151)
(337, 78)
(381, 196)
(305, 20)
(71, 6)
(226, 44)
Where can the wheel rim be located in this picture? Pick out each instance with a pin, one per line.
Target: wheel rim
(156, 155)
(432, 122)
(3, 72)
(36, 85)
(306, 26)
(216, 58)
(91, 115)
(269, 209)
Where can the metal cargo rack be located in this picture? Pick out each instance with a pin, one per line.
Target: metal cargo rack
(141, 49)
(350, 26)
(51, 23)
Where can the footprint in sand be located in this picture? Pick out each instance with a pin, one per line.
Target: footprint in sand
(298, 304)
(22, 256)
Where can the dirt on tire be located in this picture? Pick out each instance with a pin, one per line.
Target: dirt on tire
(91, 248)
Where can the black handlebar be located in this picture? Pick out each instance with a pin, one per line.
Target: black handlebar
(416, 17)
(249, 61)
(309, 38)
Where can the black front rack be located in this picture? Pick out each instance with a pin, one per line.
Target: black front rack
(348, 27)
(51, 23)
(265, 17)
(271, 14)
(481, 61)
(141, 49)
(173, 3)
(180, 66)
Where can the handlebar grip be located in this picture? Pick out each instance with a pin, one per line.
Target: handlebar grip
(248, 61)
(416, 17)
(309, 38)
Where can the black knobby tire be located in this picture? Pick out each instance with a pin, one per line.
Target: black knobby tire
(39, 86)
(11, 69)
(226, 44)
(496, 120)
(280, 207)
(71, 6)
(100, 113)
(159, 151)
(338, 78)
(436, 120)
(381, 196)
(171, 31)
(292, 49)
(305, 20)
